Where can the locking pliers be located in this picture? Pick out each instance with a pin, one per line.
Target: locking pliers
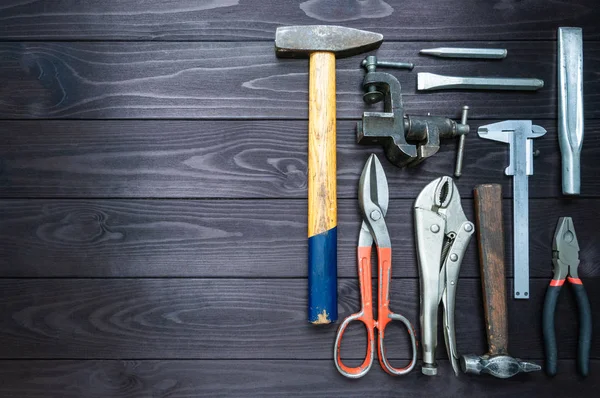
(442, 234)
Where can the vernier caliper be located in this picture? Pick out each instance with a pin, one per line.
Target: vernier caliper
(518, 134)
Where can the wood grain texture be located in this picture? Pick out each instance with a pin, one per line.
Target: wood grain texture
(489, 227)
(246, 80)
(178, 238)
(256, 19)
(267, 378)
(322, 173)
(244, 159)
(239, 319)
(125, 271)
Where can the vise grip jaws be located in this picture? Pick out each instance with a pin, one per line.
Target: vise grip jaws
(407, 140)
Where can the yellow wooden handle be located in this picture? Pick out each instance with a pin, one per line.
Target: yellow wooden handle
(322, 191)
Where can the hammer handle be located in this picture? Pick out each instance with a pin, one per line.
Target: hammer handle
(490, 234)
(322, 204)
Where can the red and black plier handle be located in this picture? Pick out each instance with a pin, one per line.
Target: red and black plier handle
(585, 325)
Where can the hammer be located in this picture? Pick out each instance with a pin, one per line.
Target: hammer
(322, 44)
(490, 235)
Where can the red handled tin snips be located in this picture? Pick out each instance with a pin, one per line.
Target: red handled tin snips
(373, 197)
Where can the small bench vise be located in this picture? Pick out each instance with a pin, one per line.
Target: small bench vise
(407, 140)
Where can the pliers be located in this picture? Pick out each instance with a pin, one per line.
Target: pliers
(565, 259)
(442, 234)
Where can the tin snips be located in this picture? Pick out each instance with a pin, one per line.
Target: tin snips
(442, 234)
(373, 196)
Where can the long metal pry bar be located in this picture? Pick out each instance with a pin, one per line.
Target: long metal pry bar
(570, 106)
(442, 234)
(518, 134)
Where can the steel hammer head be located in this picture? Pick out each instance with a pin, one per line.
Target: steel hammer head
(300, 41)
(501, 366)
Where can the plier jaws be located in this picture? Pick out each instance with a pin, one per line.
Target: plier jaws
(565, 253)
(565, 259)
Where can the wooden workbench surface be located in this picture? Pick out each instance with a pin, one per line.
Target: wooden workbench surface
(153, 195)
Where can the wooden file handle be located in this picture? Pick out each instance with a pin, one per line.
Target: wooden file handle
(490, 237)
(322, 205)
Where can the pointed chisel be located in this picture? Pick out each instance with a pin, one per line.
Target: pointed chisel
(456, 52)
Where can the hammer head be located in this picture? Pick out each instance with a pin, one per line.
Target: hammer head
(300, 41)
(501, 366)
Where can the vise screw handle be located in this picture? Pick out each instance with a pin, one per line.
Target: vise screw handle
(460, 152)
(371, 62)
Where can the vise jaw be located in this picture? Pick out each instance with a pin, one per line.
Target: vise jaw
(407, 140)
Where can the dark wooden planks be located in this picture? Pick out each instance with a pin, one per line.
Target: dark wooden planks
(251, 319)
(241, 159)
(254, 238)
(237, 319)
(245, 80)
(256, 19)
(271, 378)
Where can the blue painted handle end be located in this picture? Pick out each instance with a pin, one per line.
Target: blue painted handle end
(322, 277)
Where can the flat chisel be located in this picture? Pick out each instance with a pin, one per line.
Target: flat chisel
(570, 106)
(432, 81)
